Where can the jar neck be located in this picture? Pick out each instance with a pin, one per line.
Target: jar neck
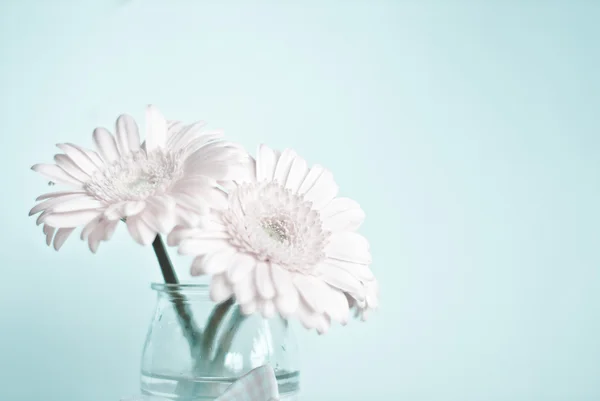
(188, 292)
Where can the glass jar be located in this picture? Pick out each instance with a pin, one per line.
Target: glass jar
(195, 349)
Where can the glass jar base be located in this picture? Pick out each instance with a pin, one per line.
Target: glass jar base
(181, 388)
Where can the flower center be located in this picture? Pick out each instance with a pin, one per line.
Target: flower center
(277, 228)
(275, 225)
(136, 176)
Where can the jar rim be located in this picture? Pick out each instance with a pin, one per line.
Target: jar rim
(186, 287)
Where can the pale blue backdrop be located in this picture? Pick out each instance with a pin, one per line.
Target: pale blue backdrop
(469, 132)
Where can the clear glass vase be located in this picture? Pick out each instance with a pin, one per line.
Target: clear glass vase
(195, 349)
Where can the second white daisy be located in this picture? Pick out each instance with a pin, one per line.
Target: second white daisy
(284, 243)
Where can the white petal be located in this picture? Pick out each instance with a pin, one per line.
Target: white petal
(120, 210)
(80, 157)
(220, 290)
(94, 240)
(95, 158)
(180, 233)
(156, 129)
(162, 202)
(227, 185)
(79, 203)
(41, 217)
(287, 295)
(173, 127)
(215, 161)
(194, 246)
(323, 324)
(287, 304)
(216, 262)
(69, 166)
(98, 234)
(216, 198)
(240, 267)
(342, 214)
(236, 204)
(109, 229)
(90, 227)
(115, 211)
(106, 145)
(323, 191)
(306, 316)
(204, 139)
(244, 171)
(248, 308)
(57, 174)
(181, 136)
(70, 219)
(133, 208)
(216, 170)
(187, 218)
(313, 291)
(52, 202)
(197, 205)
(358, 270)
(373, 294)
(340, 278)
(162, 211)
(193, 185)
(312, 176)
(59, 194)
(311, 320)
(282, 279)
(348, 246)
(264, 282)
(297, 174)
(101, 232)
(266, 160)
(128, 136)
(61, 236)
(49, 231)
(245, 291)
(284, 164)
(202, 190)
(219, 151)
(152, 221)
(140, 231)
(267, 308)
(337, 306)
(197, 267)
(164, 222)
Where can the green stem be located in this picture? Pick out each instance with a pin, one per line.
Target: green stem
(227, 340)
(212, 327)
(191, 331)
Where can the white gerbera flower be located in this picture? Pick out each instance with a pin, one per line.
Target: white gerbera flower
(285, 243)
(165, 181)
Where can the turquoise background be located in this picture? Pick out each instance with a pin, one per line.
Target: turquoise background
(467, 130)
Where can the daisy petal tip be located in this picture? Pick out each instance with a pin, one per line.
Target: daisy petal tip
(248, 308)
(170, 240)
(182, 250)
(94, 246)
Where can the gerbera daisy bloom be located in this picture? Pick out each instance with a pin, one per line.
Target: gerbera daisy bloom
(284, 243)
(168, 180)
